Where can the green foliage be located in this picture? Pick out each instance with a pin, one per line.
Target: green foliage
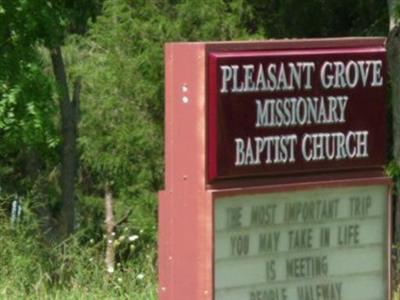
(33, 269)
(24, 23)
(121, 132)
(123, 98)
(322, 18)
(27, 109)
(214, 20)
(393, 169)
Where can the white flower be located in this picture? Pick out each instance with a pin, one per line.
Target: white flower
(110, 269)
(119, 279)
(140, 276)
(133, 238)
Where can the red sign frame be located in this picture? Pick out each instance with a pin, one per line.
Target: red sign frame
(233, 115)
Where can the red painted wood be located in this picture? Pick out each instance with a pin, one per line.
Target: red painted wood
(185, 247)
(298, 186)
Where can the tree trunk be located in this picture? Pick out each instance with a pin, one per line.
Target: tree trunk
(393, 54)
(393, 18)
(110, 228)
(69, 110)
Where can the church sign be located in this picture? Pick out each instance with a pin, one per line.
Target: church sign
(274, 180)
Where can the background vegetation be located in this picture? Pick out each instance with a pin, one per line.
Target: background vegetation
(81, 117)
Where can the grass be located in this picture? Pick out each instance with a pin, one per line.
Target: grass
(32, 269)
(74, 269)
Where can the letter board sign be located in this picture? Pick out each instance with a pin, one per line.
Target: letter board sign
(299, 245)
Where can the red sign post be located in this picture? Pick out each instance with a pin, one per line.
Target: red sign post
(274, 171)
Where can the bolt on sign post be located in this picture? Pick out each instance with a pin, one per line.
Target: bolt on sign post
(275, 186)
